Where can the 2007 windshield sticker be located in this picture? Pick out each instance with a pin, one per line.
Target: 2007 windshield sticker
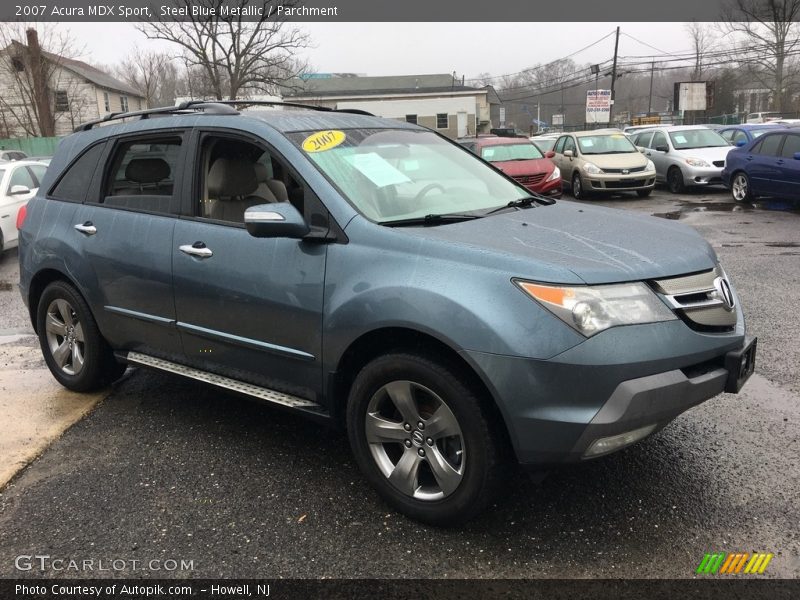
(323, 140)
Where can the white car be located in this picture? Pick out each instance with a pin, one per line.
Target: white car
(763, 117)
(19, 181)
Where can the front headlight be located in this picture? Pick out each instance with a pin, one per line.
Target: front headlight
(697, 162)
(590, 310)
(650, 166)
(592, 169)
(556, 174)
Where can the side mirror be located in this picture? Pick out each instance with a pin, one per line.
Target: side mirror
(19, 190)
(549, 154)
(569, 153)
(796, 156)
(278, 220)
(662, 148)
(641, 149)
(741, 143)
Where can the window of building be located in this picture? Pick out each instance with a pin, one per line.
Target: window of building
(411, 119)
(106, 102)
(123, 103)
(18, 64)
(62, 101)
(442, 121)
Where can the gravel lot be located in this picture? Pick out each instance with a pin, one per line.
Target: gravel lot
(166, 468)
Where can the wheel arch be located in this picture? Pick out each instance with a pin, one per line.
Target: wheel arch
(385, 340)
(37, 286)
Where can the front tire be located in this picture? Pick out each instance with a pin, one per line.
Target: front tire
(740, 187)
(675, 181)
(577, 187)
(74, 350)
(423, 439)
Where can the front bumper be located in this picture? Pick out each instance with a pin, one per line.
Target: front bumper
(617, 182)
(556, 409)
(551, 189)
(702, 175)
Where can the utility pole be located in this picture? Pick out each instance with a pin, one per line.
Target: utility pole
(613, 78)
(650, 99)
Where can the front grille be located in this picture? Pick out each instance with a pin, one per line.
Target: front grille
(530, 179)
(719, 163)
(625, 183)
(695, 299)
(626, 171)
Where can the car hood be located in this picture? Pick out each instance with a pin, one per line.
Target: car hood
(525, 167)
(567, 239)
(707, 154)
(629, 160)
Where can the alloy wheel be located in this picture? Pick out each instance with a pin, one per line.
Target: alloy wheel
(739, 188)
(415, 440)
(65, 336)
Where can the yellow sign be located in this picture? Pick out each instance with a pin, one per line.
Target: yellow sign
(323, 140)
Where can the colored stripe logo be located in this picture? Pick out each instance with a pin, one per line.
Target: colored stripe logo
(734, 563)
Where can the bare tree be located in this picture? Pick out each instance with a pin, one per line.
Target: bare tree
(31, 73)
(702, 40)
(237, 57)
(152, 73)
(766, 32)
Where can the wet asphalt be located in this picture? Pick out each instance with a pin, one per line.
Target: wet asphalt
(169, 469)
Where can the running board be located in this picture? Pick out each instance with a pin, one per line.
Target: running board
(227, 383)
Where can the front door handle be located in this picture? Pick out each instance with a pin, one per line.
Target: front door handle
(88, 228)
(197, 249)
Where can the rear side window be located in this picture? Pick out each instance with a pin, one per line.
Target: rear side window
(791, 146)
(74, 183)
(142, 175)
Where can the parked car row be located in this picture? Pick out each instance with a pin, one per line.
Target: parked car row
(19, 182)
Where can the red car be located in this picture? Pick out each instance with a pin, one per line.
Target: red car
(520, 159)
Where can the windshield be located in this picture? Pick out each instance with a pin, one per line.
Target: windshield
(545, 145)
(616, 143)
(502, 152)
(394, 174)
(696, 138)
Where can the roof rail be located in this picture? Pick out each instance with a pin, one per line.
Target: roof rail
(211, 108)
(353, 111)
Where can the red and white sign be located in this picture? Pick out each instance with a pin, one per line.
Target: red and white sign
(598, 106)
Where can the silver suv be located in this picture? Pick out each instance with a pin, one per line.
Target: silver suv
(685, 155)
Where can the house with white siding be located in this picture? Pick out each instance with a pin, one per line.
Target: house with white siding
(76, 92)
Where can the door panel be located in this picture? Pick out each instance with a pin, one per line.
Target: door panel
(765, 166)
(253, 309)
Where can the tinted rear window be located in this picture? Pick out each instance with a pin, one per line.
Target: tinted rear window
(74, 183)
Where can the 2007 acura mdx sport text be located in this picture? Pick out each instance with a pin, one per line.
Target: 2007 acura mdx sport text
(372, 273)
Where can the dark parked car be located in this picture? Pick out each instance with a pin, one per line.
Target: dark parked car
(521, 159)
(374, 275)
(739, 135)
(767, 166)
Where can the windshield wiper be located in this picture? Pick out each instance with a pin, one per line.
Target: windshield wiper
(524, 202)
(429, 220)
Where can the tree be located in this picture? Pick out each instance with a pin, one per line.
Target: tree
(701, 40)
(152, 73)
(31, 73)
(767, 33)
(237, 57)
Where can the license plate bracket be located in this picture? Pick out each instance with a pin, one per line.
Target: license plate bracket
(740, 365)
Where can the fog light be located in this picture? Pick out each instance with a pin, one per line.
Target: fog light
(609, 444)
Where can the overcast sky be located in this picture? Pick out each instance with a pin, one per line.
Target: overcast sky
(417, 48)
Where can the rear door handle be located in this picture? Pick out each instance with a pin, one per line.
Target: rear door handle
(197, 249)
(88, 228)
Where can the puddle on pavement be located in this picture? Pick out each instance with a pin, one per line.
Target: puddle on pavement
(768, 205)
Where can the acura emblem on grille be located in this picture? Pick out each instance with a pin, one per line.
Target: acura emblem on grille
(724, 293)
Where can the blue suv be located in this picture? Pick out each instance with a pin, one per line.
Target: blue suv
(373, 274)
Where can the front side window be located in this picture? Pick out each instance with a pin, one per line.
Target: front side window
(616, 143)
(769, 145)
(559, 147)
(569, 144)
(21, 176)
(687, 139)
(738, 136)
(659, 140)
(394, 174)
(503, 152)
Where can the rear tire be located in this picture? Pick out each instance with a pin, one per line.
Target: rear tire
(740, 187)
(424, 440)
(75, 352)
(675, 181)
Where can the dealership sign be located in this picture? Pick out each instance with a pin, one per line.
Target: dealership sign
(598, 106)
